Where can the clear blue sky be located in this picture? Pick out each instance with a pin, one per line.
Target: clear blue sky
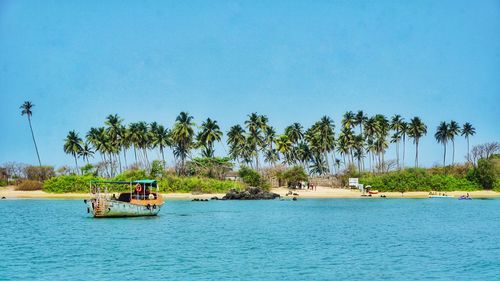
(78, 61)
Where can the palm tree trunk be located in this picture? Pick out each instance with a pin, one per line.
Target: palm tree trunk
(404, 145)
(453, 155)
(397, 154)
(162, 157)
(125, 157)
(468, 153)
(76, 164)
(444, 155)
(416, 153)
(33, 136)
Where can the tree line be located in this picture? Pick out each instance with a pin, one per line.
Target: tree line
(318, 149)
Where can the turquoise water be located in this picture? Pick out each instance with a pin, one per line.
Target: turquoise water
(336, 239)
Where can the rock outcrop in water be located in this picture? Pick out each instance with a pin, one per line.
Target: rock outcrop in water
(251, 193)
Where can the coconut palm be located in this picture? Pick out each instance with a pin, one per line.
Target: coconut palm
(284, 146)
(294, 132)
(73, 146)
(397, 126)
(210, 133)
(360, 120)
(348, 120)
(86, 152)
(114, 130)
(182, 138)
(26, 110)
(441, 136)
(255, 125)
(404, 132)
(416, 130)
(467, 131)
(236, 141)
(160, 138)
(453, 130)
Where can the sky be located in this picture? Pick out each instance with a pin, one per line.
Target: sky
(294, 61)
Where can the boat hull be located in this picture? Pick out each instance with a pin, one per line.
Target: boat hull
(113, 208)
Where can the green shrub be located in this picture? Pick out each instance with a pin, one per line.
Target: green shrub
(293, 175)
(3, 183)
(68, 183)
(130, 175)
(249, 176)
(417, 180)
(29, 185)
(196, 184)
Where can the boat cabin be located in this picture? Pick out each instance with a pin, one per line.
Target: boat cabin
(141, 192)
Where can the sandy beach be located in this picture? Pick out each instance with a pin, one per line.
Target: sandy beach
(9, 192)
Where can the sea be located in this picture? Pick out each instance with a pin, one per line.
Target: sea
(308, 239)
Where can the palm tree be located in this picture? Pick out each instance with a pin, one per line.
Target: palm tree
(255, 125)
(441, 136)
(453, 130)
(210, 133)
(294, 132)
(284, 146)
(360, 120)
(160, 137)
(416, 130)
(397, 124)
(73, 146)
(349, 120)
(404, 132)
(86, 152)
(182, 138)
(114, 130)
(26, 110)
(468, 130)
(236, 141)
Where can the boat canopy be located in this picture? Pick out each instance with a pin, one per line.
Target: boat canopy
(151, 183)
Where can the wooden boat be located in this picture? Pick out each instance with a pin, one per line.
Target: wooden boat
(139, 201)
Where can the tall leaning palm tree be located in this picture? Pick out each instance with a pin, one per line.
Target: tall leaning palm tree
(236, 141)
(453, 131)
(416, 130)
(441, 136)
(467, 131)
(73, 146)
(26, 110)
(397, 124)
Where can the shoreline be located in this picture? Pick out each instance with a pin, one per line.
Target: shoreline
(320, 193)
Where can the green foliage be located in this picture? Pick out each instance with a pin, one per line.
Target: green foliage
(212, 167)
(156, 169)
(172, 183)
(129, 175)
(88, 170)
(3, 183)
(29, 185)
(39, 173)
(68, 183)
(249, 176)
(485, 173)
(417, 180)
(293, 175)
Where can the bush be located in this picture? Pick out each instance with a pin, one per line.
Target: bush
(29, 185)
(417, 180)
(68, 183)
(172, 183)
(293, 176)
(169, 183)
(249, 176)
(129, 175)
(39, 173)
(485, 173)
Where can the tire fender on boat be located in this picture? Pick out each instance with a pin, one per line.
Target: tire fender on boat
(154, 206)
(148, 206)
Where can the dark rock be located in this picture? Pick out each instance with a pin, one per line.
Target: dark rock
(294, 199)
(296, 194)
(251, 193)
(214, 198)
(3, 197)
